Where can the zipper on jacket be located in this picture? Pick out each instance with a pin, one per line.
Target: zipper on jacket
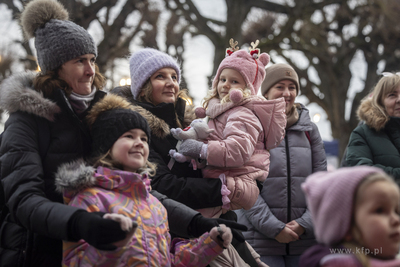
(289, 189)
(74, 116)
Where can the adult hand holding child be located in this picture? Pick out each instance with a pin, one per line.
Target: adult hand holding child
(126, 224)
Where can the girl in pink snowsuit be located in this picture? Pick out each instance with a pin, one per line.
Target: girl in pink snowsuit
(245, 127)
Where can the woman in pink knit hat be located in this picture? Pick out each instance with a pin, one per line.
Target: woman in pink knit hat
(355, 212)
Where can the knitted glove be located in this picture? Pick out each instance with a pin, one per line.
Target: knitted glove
(191, 148)
(200, 225)
(95, 230)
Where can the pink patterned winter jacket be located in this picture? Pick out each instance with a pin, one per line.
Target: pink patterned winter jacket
(127, 193)
(238, 148)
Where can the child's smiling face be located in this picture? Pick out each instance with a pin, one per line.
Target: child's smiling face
(377, 221)
(229, 79)
(131, 150)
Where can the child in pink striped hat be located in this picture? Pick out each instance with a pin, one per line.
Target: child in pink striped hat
(355, 212)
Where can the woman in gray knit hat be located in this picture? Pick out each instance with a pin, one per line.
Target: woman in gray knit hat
(46, 128)
(280, 227)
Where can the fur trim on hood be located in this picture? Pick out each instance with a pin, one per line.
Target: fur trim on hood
(74, 177)
(109, 102)
(371, 115)
(158, 126)
(17, 94)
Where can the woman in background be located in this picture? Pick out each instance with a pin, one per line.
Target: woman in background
(376, 141)
(280, 226)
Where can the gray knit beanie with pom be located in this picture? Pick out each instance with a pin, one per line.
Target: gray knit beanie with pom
(144, 63)
(57, 40)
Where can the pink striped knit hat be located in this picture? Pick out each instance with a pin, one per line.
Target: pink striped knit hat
(250, 65)
(330, 198)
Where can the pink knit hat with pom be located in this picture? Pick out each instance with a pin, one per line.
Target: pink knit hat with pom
(330, 198)
(250, 65)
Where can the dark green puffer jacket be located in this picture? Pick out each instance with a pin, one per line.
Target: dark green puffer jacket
(376, 142)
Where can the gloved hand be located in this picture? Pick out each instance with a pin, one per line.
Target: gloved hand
(191, 148)
(95, 230)
(199, 225)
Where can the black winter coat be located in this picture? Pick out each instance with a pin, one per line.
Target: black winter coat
(181, 183)
(36, 220)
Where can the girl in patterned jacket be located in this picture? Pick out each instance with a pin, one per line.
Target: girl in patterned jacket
(245, 127)
(118, 186)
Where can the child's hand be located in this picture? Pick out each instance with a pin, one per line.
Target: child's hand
(296, 227)
(176, 132)
(191, 148)
(287, 235)
(222, 235)
(126, 224)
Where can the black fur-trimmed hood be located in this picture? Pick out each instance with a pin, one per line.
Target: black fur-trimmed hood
(17, 94)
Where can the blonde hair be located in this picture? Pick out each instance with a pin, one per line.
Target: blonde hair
(107, 161)
(384, 86)
(145, 95)
(47, 82)
(213, 93)
(355, 243)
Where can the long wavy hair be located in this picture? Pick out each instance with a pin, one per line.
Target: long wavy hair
(47, 82)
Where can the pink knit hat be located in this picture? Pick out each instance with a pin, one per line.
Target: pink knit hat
(330, 197)
(250, 65)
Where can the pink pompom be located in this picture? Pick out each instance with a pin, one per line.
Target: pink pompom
(200, 112)
(264, 58)
(235, 95)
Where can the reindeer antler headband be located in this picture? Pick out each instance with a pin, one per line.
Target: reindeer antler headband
(253, 50)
